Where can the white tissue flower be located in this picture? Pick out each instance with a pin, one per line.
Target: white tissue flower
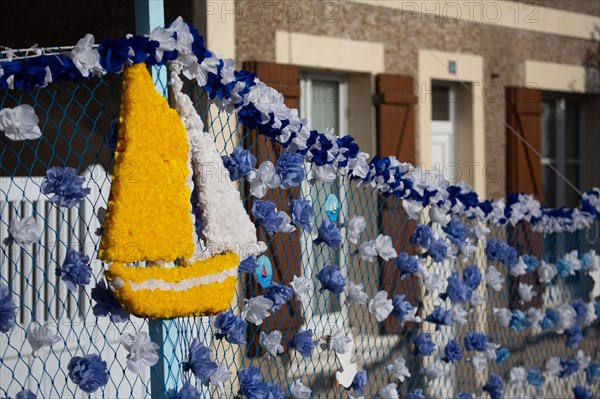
(479, 362)
(385, 247)
(459, 314)
(433, 372)
(412, 208)
(553, 366)
(526, 292)
(355, 293)
(221, 375)
(368, 251)
(286, 226)
(20, 123)
(263, 178)
(24, 231)
(519, 269)
(381, 306)
(256, 309)
(300, 391)
(390, 391)
(494, 278)
(41, 336)
(518, 377)
(272, 343)
(86, 58)
(398, 369)
(142, 351)
(354, 227)
(302, 286)
(546, 272)
(337, 342)
(503, 315)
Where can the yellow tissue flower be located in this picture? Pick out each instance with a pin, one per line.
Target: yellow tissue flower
(148, 213)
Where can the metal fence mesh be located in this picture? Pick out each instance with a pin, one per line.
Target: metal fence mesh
(78, 125)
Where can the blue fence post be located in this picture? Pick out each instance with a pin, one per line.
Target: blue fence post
(165, 374)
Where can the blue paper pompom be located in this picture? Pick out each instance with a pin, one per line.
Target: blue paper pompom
(65, 186)
(422, 236)
(535, 378)
(407, 264)
(239, 163)
(107, 304)
(477, 341)
(251, 385)
(88, 372)
(329, 234)
(416, 394)
(331, 279)
(359, 382)
(188, 391)
(424, 346)
(231, 327)
(290, 168)
(266, 215)
(302, 214)
(472, 277)
(279, 294)
(453, 352)
(8, 310)
(440, 317)
(199, 361)
(303, 342)
(494, 387)
(75, 270)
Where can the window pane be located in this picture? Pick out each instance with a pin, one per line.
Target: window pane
(549, 185)
(325, 105)
(440, 103)
(572, 130)
(549, 129)
(571, 196)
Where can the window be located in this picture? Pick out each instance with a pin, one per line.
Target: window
(562, 126)
(324, 103)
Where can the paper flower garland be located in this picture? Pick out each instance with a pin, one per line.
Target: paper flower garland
(20, 123)
(88, 372)
(142, 351)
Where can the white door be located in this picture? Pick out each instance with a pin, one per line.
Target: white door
(443, 131)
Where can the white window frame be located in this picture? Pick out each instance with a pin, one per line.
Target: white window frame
(560, 161)
(326, 323)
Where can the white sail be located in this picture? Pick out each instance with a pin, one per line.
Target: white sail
(226, 224)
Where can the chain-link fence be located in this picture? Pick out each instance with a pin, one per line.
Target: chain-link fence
(79, 121)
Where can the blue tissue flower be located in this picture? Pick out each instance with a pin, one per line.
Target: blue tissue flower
(494, 386)
(303, 343)
(440, 317)
(407, 264)
(75, 270)
(464, 395)
(457, 232)
(188, 391)
(476, 341)
(8, 310)
(532, 263)
(550, 320)
(302, 214)
(580, 309)
(107, 304)
(568, 367)
(88, 372)
(502, 355)
(231, 327)
(597, 308)
(422, 236)
(274, 391)
(329, 234)
(65, 186)
(564, 268)
(424, 346)
(279, 294)
(574, 336)
(359, 382)
(592, 373)
(472, 277)
(199, 361)
(251, 385)
(453, 352)
(113, 55)
(518, 321)
(266, 215)
(331, 279)
(437, 250)
(248, 265)
(501, 251)
(25, 394)
(535, 378)
(582, 392)
(416, 394)
(401, 307)
(239, 163)
(457, 290)
(290, 168)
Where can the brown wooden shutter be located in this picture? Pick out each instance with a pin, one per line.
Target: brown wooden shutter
(396, 137)
(283, 249)
(524, 175)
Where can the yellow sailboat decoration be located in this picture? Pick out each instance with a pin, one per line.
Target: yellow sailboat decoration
(149, 216)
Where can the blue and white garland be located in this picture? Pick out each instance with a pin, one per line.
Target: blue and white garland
(260, 107)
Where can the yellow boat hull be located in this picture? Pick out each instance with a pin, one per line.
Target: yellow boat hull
(203, 288)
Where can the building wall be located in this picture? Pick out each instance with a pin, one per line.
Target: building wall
(504, 50)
